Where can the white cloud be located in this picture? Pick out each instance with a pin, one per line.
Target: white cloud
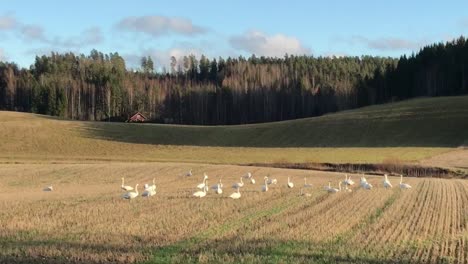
(388, 43)
(8, 22)
(160, 25)
(90, 36)
(33, 32)
(261, 44)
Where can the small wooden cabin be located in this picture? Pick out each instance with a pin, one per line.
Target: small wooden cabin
(137, 117)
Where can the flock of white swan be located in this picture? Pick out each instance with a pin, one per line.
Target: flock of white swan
(150, 189)
(203, 187)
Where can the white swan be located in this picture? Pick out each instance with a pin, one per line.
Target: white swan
(217, 186)
(189, 173)
(272, 181)
(235, 195)
(404, 185)
(386, 182)
(290, 183)
(154, 184)
(238, 184)
(363, 181)
(265, 187)
(348, 180)
(367, 186)
(219, 190)
(151, 187)
(307, 185)
(149, 191)
(126, 187)
(131, 194)
(334, 190)
(201, 194)
(48, 188)
(249, 176)
(203, 184)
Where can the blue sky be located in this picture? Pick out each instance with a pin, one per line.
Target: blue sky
(225, 28)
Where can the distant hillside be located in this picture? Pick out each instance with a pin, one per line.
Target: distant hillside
(409, 130)
(424, 122)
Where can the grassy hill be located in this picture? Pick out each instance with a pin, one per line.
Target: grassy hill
(409, 130)
(427, 122)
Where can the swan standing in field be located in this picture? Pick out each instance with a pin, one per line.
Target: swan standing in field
(290, 183)
(238, 184)
(334, 190)
(189, 173)
(272, 181)
(48, 188)
(235, 195)
(364, 184)
(150, 191)
(151, 187)
(154, 184)
(348, 180)
(404, 185)
(201, 194)
(250, 177)
(131, 194)
(386, 182)
(218, 185)
(367, 186)
(203, 184)
(307, 185)
(252, 180)
(219, 190)
(363, 181)
(126, 187)
(265, 187)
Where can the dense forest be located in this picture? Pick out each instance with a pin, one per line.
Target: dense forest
(227, 90)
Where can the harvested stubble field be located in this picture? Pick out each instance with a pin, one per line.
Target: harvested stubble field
(85, 220)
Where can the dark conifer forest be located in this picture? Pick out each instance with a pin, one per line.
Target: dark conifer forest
(224, 91)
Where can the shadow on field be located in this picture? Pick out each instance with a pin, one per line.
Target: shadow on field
(442, 124)
(49, 251)
(237, 250)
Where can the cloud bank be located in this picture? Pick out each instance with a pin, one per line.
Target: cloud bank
(387, 43)
(157, 26)
(261, 44)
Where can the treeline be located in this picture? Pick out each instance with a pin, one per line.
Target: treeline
(227, 91)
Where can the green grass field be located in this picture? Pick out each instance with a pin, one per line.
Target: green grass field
(406, 131)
